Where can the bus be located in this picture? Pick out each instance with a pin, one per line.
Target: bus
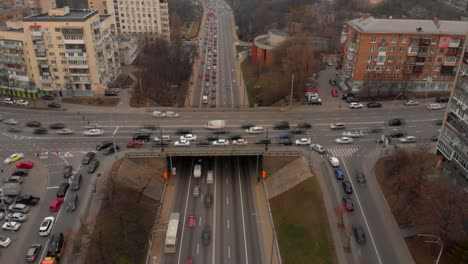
(170, 243)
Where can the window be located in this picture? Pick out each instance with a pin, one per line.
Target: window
(441, 50)
(366, 76)
(53, 62)
(436, 68)
(369, 58)
(58, 38)
(373, 40)
(395, 76)
(57, 29)
(434, 41)
(400, 59)
(51, 54)
(402, 49)
(384, 39)
(55, 69)
(62, 54)
(371, 49)
(382, 49)
(63, 62)
(427, 68)
(46, 29)
(429, 59)
(50, 46)
(392, 49)
(397, 68)
(57, 77)
(368, 67)
(61, 46)
(390, 59)
(389, 68)
(386, 76)
(394, 40)
(431, 50)
(403, 40)
(49, 38)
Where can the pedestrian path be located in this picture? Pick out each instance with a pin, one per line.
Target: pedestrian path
(342, 152)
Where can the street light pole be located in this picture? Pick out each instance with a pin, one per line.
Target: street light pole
(292, 88)
(439, 242)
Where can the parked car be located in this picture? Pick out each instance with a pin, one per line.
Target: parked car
(351, 100)
(94, 132)
(88, 158)
(22, 173)
(435, 106)
(374, 105)
(111, 150)
(93, 165)
(339, 174)
(13, 158)
(344, 140)
(27, 200)
(46, 225)
(318, 148)
(11, 121)
(332, 82)
(55, 205)
(57, 126)
(4, 241)
(188, 137)
(204, 142)
(104, 145)
(411, 103)
(14, 129)
(27, 164)
(442, 99)
(302, 142)
(182, 143)
(33, 124)
(240, 141)
(67, 171)
(13, 179)
(12, 226)
(396, 122)
(53, 105)
(72, 202)
(220, 142)
(359, 234)
(355, 105)
(407, 139)
(16, 217)
(347, 187)
(62, 189)
(334, 162)
(206, 235)
(40, 131)
(75, 182)
(334, 92)
(348, 204)
(33, 252)
(18, 208)
(395, 133)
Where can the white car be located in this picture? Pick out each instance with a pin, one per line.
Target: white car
(240, 141)
(435, 106)
(65, 131)
(344, 140)
(411, 103)
(4, 241)
(220, 142)
(13, 157)
(11, 121)
(94, 132)
(172, 114)
(318, 148)
(46, 226)
(16, 217)
(162, 138)
(182, 143)
(408, 139)
(302, 142)
(158, 114)
(353, 133)
(93, 125)
(11, 226)
(254, 130)
(355, 105)
(334, 161)
(188, 137)
(337, 126)
(8, 100)
(22, 102)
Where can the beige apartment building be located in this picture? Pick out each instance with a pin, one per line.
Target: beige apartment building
(69, 50)
(105, 7)
(390, 56)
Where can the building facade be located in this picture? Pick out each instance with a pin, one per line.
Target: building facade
(263, 45)
(104, 7)
(12, 14)
(397, 55)
(453, 139)
(147, 18)
(130, 47)
(36, 6)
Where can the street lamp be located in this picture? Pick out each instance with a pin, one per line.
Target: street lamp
(387, 120)
(438, 241)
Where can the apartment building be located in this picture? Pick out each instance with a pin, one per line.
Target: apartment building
(453, 139)
(390, 56)
(105, 7)
(12, 14)
(71, 50)
(36, 6)
(148, 18)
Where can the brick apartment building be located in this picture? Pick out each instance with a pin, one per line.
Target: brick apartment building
(390, 56)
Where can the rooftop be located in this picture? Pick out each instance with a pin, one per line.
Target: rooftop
(71, 16)
(409, 26)
(12, 10)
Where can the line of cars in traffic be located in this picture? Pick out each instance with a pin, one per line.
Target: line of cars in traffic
(210, 42)
(91, 129)
(22, 102)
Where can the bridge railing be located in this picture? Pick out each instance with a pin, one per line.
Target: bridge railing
(214, 151)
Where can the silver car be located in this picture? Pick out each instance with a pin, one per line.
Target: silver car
(16, 217)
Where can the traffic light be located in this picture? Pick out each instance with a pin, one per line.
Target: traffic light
(165, 175)
(264, 174)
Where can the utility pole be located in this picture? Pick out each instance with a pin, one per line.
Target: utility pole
(292, 88)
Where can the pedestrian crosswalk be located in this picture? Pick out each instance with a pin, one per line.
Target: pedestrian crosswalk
(342, 152)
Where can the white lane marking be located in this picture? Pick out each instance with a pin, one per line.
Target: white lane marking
(228, 224)
(227, 200)
(242, 212)
(363, 215)
(115, 131)
(185, 215)
(198, 248)
(214, 218)
(52, 187)
(199, 221)
(229, 252)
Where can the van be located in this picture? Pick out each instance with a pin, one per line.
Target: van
(209, 177)
(205, 99)
(254, 130)
(197, 171)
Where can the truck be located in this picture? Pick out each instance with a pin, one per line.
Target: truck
(210, 177)
(11, 189)
(215, 124)
(197, 171)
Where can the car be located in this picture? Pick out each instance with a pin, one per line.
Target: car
(334, 161)
(247, 125)
(191, 221)
(347, 187)
(353, 133)
(142, 136)
(351, 100)
(334, 92)
(27, 200)
(286, 135)
(304, 125)
(208, 199)
(339, 174)
(16, 217)
(332, 82)
(438, 122)
(355, 105)
(182, 143)
(435, 106)
(302, 142)
(182, 131)
(336, 126)
(40, 131)
(18, 208)
(57, 126)
(75, 182)
(374, 105)
(14, 129)
(407, 139)
(254, 130)
(204, 142)
(72, 202)
(55, 205)
(8, 100)
(442, 99)
(160, 143)
(196, 191)
(359, 234)
(360, 177)
(62, 189)
(53, 105)
(12, 226)
(314, 101)
(240, 142)
(67, 171)
(435, 138)
(5, 200)
(263, 141)
(13, 179)
(46, 225)
(373, 130)
(395, 122)
(348, 204)
(11, 121)
(111, 150)
(163, 137)
(93, 125)
(188, 137)
(395, 133)
(411, 103)
(94, 132)
(159, 114)
(33, 252)
(220, 142)
(135, 144)
(344, 140)
(281, 125)
(206, 235)
(234, 137)
(33, 124)
(27, 164)
(93, 165)
(104, 145)
(65, 131)
(48, 97)
(4, 241)
(56, 245)
(22, 173)
(144, 130)
(88, 158)
(318, 148)
(172, 114)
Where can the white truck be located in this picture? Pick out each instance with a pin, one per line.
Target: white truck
(210, 177)
(197, 171)
(215, 124)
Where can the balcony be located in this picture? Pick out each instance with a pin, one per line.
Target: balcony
(45, 79)
(446, 62)
(36, 34)
(77, 66)
(12, 46)
(74, 40)
(350, 56)
(412, 52)
(40, 54)
(80, 80)
(454, 43)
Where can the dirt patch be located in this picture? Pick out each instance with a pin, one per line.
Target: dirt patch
(273, 164)
(101, 101)
(301, 225)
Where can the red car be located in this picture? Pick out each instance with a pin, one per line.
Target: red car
(334, 92)
(191, 221)
(207, 78)
(25, 164)
(200, 75)
(348, 204)
(56, 204)
(135, 144)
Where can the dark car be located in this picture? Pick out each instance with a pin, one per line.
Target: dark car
(263, 141)
(111, 150)
(359, 234)
(438, 122)
(22, 173)
(88, 158)
(56, 245)
(220, 131)
(304, 125)
(53, 105)
(93, 165)
(235, 137)
(396, 134)
(76, 182)
(40, 131)
(141, 136)
(374, 105)
(48, 97)
(281, 125)
(14, 129)
(360, 177)
(298, 130)
(208, 199)
(62, 189)
(104, 145)
(182, 131)
(374, 130)
(348, 204)
(57, 126)
(285, 142)
(247, 125)
(33, 124)
(352, 100)
(332, 82)
(204, 142)
(67, 171)
(27, 200)
(347, 187)
(211, 137)
(442, 99)
(206, 235)
(396, 122)
(33, 253)
(72, 202)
